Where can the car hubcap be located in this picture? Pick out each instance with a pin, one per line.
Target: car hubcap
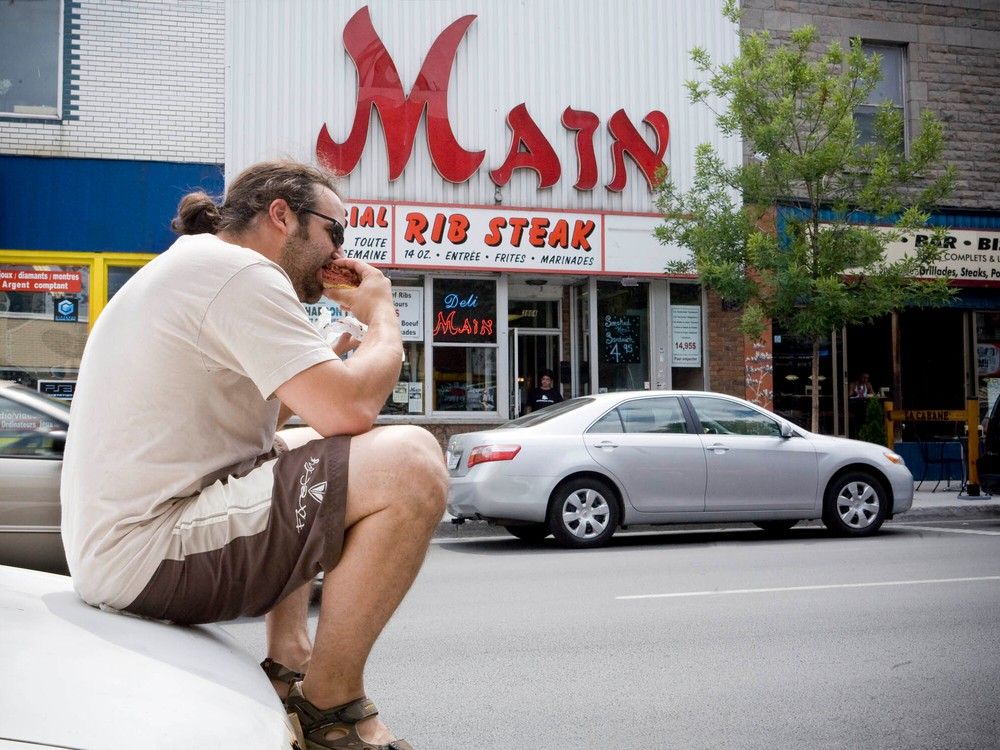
(857, 504)
(585, 514)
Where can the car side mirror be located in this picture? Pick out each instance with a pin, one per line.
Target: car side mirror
(786, 430)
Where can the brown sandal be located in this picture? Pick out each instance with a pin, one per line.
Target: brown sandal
(280, 673)
(316, 722)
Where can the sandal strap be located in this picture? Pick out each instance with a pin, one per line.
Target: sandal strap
(317, 721)
(279, 672)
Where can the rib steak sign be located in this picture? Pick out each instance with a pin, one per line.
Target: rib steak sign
(380, 87)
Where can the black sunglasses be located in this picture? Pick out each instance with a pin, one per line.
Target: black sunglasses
(335, 229)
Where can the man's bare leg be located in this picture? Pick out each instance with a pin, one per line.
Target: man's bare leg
(288, 641)
(397, 485)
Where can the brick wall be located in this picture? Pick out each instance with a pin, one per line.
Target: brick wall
(726, 358)
(953, 68)
(145, 81)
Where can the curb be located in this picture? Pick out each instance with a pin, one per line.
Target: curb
(472, 529)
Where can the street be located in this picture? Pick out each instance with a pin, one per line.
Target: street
(698, 638)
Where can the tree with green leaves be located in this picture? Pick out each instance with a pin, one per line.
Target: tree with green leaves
(845, 199)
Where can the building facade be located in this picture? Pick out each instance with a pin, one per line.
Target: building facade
(499, 166)
(942, 56)
(109, 112)
(498, 162)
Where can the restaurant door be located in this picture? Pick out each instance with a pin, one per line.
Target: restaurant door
(531, 351)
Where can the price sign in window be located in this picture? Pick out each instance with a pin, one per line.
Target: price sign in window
(686, 322)
(619, 339)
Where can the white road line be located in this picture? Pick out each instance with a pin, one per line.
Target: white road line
(946, 530)
(809, 588)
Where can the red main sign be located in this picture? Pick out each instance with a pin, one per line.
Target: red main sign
(380, 87)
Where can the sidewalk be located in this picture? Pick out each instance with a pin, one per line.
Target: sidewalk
(947, 501)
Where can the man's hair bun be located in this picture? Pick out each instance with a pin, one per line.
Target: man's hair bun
(197, 213)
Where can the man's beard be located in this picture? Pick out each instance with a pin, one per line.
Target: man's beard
(305, 280)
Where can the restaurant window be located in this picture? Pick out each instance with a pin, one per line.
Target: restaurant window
(31, 58)
(687, 351)
(117, 276)
(464, 358)
(987, 360)
(409, 397)
(44, 312)
(622, 336)
(889, 88)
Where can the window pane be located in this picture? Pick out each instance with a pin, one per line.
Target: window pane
(117, 276)
(864, 122)
(465, 378)
(891, 85)
(610, 422)
(408, 395)
(653, 415)
(465, 311)
(26, 432)
(544, 415)
(30, 57)
(44, 310)
(622, 333)
(719, 417)
(533, 314)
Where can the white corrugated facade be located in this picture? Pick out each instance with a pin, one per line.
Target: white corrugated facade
(288, 73)
(562, 277)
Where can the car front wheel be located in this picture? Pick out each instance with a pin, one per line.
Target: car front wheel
(583, 513)
(854, 505)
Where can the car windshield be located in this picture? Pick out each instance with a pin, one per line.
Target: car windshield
(544, 415)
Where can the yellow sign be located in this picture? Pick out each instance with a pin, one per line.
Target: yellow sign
(928, 415)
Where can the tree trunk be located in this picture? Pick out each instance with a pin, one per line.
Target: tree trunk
(815, 387)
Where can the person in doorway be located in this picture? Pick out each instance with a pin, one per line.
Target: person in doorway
(862, 387)
(545, 394)
(181, 500)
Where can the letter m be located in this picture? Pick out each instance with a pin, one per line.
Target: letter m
(379, 86)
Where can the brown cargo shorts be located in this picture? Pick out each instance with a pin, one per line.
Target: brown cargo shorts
(246, 542)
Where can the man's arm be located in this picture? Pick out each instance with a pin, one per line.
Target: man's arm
(345, 397)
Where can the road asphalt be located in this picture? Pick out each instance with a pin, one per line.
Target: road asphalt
(947, 501)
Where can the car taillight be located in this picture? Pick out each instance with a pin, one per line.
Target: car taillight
(484, 453)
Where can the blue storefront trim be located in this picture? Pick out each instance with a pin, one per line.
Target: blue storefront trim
(967, 298)
(95, 205)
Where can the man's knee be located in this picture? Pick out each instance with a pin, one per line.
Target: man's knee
(422, 467)
(411, 466)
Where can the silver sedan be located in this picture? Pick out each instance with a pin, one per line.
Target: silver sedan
(581, 469)
(32, 437)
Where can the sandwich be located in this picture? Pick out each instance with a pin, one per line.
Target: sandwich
(336, 277)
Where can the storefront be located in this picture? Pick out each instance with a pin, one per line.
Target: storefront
(502, 175)
(921, 359)
(68, 242)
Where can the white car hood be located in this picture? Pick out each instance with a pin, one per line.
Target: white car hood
(76, 677)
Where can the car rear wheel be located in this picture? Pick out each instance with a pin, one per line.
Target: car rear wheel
(583, 513)
(776, 526)
(529, 532)
(854, 505)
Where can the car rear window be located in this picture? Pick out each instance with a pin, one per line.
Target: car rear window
(544, 415)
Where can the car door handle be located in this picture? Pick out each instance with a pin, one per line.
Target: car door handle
(606, 444)
(718, 448)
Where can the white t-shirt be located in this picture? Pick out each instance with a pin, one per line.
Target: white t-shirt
(175, 391)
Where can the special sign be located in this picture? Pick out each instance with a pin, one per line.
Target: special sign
(474, 238)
